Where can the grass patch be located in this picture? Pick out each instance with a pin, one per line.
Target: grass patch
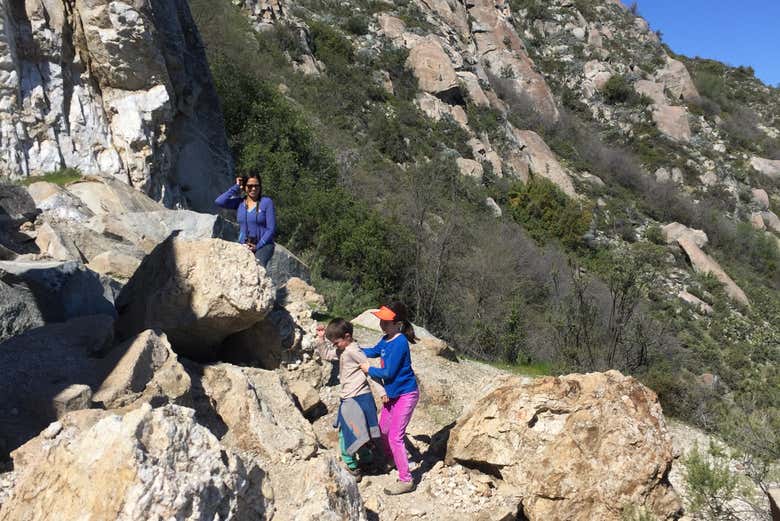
(532, 369)
(61, 177)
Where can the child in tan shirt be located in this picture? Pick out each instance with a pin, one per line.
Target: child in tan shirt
(355, 386)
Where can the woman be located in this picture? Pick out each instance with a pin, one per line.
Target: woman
(256, 216)
(400, 384)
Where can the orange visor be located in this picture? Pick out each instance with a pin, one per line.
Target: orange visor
(384, 313)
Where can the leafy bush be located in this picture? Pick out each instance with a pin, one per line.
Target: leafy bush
(357, 25)
(653, 234)
(712, 487)
(618, 90)
(330, 46)
(547, 213)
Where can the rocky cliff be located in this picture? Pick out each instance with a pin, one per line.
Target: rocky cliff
(119, 89)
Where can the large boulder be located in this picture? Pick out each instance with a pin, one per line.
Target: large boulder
(72, 240)
(58, 203)
(672, 122)
(196, 292)
(771, 220)
(18, 307)
(768, 167)
(257, 414)
(114, 89)
(147, 464)
(578, 447)
(703, 263)
(118, 266)
(542, 162)
(328, 493)
(16, 208)
(653, 90)
(62, 290)
(673, 231)
(433, 68)
(760, 198)
(676, 79)
(42, 363)
(106, 196)
(146, 229)
(144, 368)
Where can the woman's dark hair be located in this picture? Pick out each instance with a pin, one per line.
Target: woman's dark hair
(402, 315)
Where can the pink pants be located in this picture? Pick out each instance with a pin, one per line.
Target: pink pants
(393, 421)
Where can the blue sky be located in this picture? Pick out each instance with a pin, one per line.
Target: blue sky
(737, 33)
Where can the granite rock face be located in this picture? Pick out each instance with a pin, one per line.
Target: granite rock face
(147, 464)
(110, 88)
(578, 447)
(197, 292)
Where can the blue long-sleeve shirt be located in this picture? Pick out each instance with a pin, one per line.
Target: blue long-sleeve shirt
(259, 222)
(396, 372)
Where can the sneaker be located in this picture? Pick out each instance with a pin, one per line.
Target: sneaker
(355, 473)
(400, 487)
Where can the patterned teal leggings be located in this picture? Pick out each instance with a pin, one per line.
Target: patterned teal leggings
(363, 454)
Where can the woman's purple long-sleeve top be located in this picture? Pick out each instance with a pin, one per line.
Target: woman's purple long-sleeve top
(260, 222)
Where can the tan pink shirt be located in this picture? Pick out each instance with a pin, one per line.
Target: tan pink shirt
(354, 382)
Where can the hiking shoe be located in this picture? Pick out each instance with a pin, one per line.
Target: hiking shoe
(400, 487)
(355, 473)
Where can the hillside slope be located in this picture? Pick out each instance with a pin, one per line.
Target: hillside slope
(547, 183)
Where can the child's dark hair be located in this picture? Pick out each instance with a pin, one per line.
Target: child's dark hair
(338, 328)
(402, 315)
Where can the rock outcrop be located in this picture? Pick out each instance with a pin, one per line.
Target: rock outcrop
(433, 68)
(676, 79)
(542, 162)
(259, 414)
(62, 290)
(143, 368)
(147, 464)
(327, 493)
(115, 89)
(197, 292)
(703, 263)
(578, 447)
(673, 231)
(768, 167)
(42, 363)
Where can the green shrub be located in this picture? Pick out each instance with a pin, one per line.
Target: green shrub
(357, 24)
(330, 46)
(618, 90)
(711, 484)
(547, 213)
(653, 234)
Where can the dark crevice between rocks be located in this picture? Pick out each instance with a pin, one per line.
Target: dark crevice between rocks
(452, 96)
(205, 413)
(484, 467)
